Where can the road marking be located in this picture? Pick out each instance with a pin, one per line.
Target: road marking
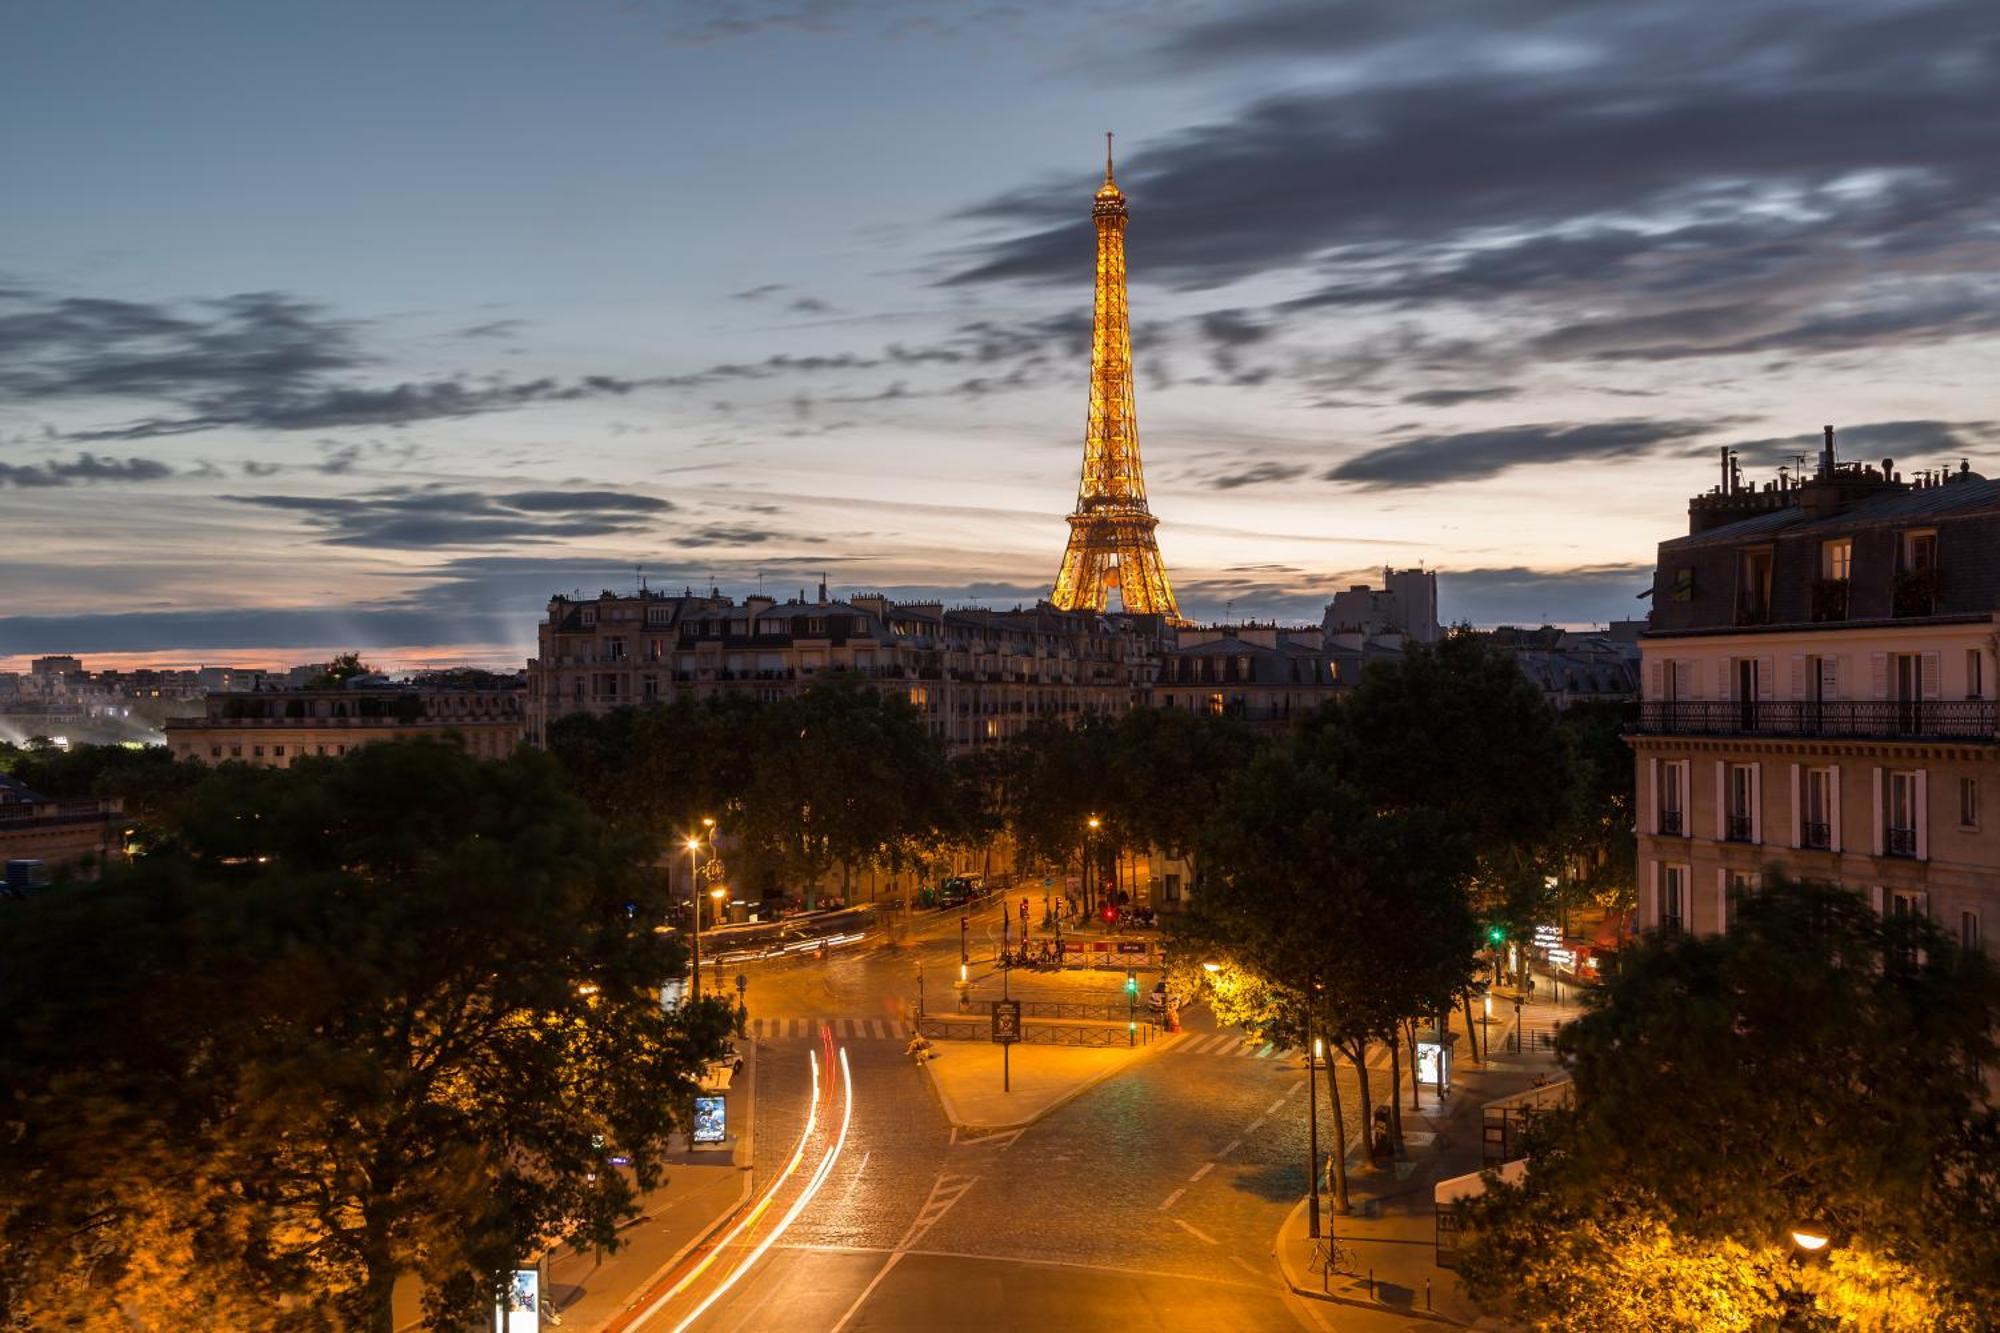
(868, 1290)
(997, 1139)
(1244, 1264)
(1234, 1144)
(1275, 1107)
(946, 1190)
(1198, 1235)
(1256, 1124)
(1265, 1052)
(1173, 1199)
(1206, 1167)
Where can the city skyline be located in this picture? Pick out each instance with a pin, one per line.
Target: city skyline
(380, 351)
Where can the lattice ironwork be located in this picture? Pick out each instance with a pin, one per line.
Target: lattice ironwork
(1111, 542)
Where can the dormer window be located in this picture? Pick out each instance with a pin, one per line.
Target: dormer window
(1836, 559)
(1753, 586)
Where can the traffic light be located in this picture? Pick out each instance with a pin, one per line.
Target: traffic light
(1496, 935)
(1131, 982)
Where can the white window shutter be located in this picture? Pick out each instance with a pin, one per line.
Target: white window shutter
(1876, 817)
(1798, 811)
(1725, 682)
(1878, 673)
(1653, 795)
(1798, 676)
(1654, 676)
(1757, 803)
(1833, 807)
(1927, 674)
(1923, 813)
(1875, 898)
(1836, 671)
(1766, 677)
(1652, 903)
(1721, 800)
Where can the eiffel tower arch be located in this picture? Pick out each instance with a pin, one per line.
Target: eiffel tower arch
(1111, 542)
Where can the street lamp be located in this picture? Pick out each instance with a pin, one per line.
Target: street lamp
(1089, 878)
(1211, 968)
(1312, 1123)
(1809, 1243)
(694, 895)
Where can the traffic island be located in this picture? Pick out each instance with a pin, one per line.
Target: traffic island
(967, 1078)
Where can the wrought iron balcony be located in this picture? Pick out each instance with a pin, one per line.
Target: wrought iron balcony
(1900, 841)
(1819, 836)
(1737, 828)
(1941, 719)
(1670, 824)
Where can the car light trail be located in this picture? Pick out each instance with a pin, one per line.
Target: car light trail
(750, 1218)
(806, 1196)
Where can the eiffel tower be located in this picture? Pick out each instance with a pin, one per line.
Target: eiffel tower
(1111, 541)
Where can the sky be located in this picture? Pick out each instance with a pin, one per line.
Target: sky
(373, 325)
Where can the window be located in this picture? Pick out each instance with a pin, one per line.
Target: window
(1753, 588)
(1968, 802)
(1215, 705)
(256, 752)
(1740, 824)
(1172, 891)
(1673, 898)
(1968, 931)
(1836, 559)
(278, 751)
(1750, 682)
(1816, 827)
(235, 752)
(1975, 674)
(1901, 834)
(1735, 885)
(1673, 799)
(1919, 552)
(215, 752)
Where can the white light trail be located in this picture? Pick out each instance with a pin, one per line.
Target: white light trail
(798, 1205)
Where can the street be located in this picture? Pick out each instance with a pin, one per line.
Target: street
(1150, 1200)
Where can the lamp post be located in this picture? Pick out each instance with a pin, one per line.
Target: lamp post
(694, 905)
(1089, 878)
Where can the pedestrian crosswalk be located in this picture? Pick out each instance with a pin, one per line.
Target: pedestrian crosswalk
(851, 1029)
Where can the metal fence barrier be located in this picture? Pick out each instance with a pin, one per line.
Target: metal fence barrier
(1039, 1034)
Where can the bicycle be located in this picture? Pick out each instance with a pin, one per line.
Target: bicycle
(1329, 1256)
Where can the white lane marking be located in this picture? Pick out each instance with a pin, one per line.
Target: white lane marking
(1173, 1198)
(1198, 1235)
(1275, 1107)
(1256, 1124)
(869, 1290)
(946, 1190)
(1244, 1264)
(1234, 1144)
(1265, 1052)
(1206, 1167)
(1223, 1043)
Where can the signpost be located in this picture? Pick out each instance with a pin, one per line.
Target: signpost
(1006, 1031)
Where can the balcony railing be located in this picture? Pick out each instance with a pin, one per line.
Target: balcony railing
(1737, 828)
(1670, 823)
(1901, 841)
(1819, 836)
(1948, 719)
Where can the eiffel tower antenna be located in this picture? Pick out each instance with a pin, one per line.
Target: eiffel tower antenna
(1111, 542)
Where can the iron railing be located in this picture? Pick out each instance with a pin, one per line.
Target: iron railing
(1901, 841)
(1950, 719)
(1670, 823)
(1816, 835)
(1737, 828)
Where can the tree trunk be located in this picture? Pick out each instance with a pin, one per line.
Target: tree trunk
(1395, 1081)
(1359, 1054)
(1416, 1085)
(1472, 1029)
(1339, 1155)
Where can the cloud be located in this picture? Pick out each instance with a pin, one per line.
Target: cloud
(1473, 455)
(1258, 474)
(1453, 397)
(1516, 595)
(425, 517)
(808, 305)
(758, 293)
(492, 328)
(85, 467)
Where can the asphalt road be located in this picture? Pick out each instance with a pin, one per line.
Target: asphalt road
(1147, 1202)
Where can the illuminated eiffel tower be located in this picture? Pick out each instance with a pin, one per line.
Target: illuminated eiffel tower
(1111, 541)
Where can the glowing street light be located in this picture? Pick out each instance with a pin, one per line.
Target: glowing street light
(1211, 968)
(693, 845)
(1809, 1242)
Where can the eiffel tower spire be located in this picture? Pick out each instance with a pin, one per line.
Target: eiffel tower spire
(1111, 542)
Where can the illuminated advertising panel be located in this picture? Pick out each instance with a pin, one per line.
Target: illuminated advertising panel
(710, 1119)
(520, 1309)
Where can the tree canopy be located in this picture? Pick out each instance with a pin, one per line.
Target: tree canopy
(367, 1017)
(1819, 1066)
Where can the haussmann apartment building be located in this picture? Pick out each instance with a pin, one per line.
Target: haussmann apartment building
(1818, 696)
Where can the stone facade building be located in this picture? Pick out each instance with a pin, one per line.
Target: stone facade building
(271, 728)
(37, 831)
(1819, 696)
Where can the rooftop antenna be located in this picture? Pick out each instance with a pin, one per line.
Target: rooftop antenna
(760, 583)
(640, 570)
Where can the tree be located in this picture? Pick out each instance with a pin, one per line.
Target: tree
(1820, 1066)
(384, 1015)
(339, 671)
(1593, 842)
(1168, 769)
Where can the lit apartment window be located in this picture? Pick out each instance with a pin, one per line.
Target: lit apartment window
(1900, 836)
(1740, 822)
(1816, 828)
(1836, 559)
(1673, 800)
(1968, 802)
(1673, 898)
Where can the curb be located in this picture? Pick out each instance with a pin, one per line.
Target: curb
(1298, 1288)
(1052, 1107)
(645, 1288)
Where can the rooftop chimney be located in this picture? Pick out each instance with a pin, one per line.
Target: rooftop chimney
(1826, 454)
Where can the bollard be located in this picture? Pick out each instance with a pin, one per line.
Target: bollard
(1371, 1284)
(1427, 1293)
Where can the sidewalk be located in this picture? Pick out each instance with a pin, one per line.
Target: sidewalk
(1391, 1232)
(966, 1077)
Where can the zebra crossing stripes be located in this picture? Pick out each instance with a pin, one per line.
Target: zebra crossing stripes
(851, 1029)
